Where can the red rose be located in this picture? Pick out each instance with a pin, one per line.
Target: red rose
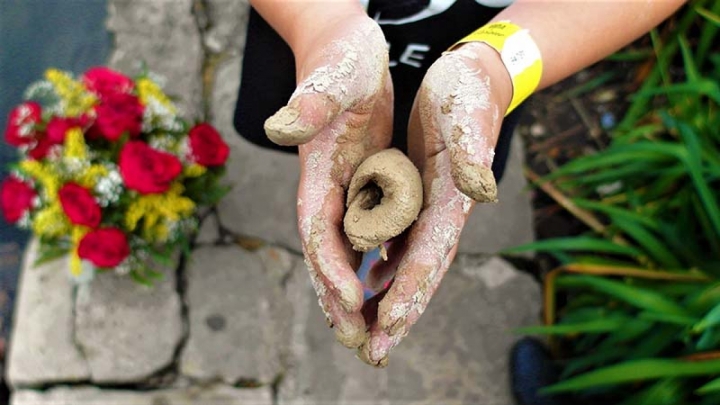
(206, 146)
(16, 197)
(58, 127)
(118, 114)
(21, 123)
(104, 81)
(106, 247)
(147, 170)
(79, 205)
(41, 148)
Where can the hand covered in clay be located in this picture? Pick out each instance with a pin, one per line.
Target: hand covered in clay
(453, 130)
(340, 113)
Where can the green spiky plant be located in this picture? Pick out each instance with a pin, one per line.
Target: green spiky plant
(640, 318)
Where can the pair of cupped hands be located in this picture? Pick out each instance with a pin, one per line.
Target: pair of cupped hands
(341, 113)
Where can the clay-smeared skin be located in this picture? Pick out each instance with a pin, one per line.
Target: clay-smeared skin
(368, 224)
(340, 113)
(452, 132)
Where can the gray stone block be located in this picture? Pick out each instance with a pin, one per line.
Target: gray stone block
(42, 348)
(456, 354)
(164, 35)
(227, 25)
(238, 314)
(210, 395)
(507, 223)
(128, 331)
(263, 200)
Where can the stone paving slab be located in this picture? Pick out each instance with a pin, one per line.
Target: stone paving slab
(42, 347)
(127, 331)
(509, 222)
(263, 200)
(164, 35)
(238, 314)
(227, 25)
(213, 395)
(456, 354)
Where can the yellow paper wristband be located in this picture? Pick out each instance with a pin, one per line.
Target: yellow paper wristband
(519, 54)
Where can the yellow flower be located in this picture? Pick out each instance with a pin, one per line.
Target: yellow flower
(195, 170)
(45, 174)
(156, 211)
(51, 222)
(90, 176)
(75, 147)
(78, 232)
(76, 100)
(148, 90)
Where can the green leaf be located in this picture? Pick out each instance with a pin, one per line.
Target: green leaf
(712, 386)
(709, 340)
(656, 249)
(48, 251)
(593, 326)
(580, 243)
(636, 296)
(669, 391)
(597, 358)
(712, 318)
(667, 318)
(635, 370)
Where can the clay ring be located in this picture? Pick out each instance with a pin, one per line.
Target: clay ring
(384, 198)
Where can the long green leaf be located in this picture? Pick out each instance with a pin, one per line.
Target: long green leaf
(712, 386)
(693, 162)
(636, 370)
(639, 106)
(655, 248)
(593, 326)
(580, 243)
(712, 17)
(635, 296)
(712, 318)
(668, 391)
(668, 318)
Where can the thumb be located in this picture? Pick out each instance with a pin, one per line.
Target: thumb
(303, 118)
(469, 123)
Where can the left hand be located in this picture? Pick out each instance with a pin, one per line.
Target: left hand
(454, 125)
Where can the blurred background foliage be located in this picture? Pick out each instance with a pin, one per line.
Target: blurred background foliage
(633, 307)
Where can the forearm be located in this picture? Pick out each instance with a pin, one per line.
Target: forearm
(572, 35)
(298, 22)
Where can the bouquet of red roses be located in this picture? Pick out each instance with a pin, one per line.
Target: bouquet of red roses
(108, 171)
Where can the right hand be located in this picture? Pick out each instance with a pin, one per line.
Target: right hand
(340, 113)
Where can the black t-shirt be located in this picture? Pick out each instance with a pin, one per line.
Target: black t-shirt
(417, 31)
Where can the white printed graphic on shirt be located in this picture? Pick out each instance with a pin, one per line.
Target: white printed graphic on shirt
(434, 8)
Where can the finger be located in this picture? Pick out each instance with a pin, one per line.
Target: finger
(326, 166)
(467, 120)
(431, 247)
(376, 348)
(350, 328)
(301, 120)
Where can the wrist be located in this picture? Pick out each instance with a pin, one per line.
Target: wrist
(309, 27)
(489, 60)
